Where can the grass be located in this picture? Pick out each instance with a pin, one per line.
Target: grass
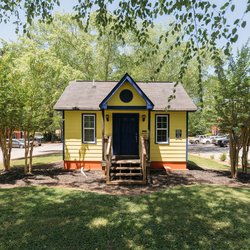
(206, 163)
(37, 160)
(193, 217)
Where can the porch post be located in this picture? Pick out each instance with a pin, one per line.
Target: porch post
(103, 141)
(149, 124)
(63, 134)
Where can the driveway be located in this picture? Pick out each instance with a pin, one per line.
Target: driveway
(46, 148)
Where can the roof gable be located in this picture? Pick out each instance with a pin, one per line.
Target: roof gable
(126, 78)
(136, 101)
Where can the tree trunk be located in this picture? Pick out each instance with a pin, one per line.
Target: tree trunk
(107, 61)
(26, 152)
(6, 147)
(52, 140)
(31, 153)
(245, 149)
(234, 154)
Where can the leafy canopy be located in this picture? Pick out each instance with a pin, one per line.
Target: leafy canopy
(200, 23)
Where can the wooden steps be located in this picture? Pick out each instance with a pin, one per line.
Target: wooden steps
(124, 162)
(127, 182)
(126, 174)
(126, 171)
(125, 168)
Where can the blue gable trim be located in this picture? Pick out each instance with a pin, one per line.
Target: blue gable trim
(126, 77)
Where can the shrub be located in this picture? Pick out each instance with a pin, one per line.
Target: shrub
(223, 156)
(212, 157)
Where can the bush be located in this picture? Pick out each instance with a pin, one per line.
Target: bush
(212, 157)
(223, 157)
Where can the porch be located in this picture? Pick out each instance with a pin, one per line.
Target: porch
(126, 169)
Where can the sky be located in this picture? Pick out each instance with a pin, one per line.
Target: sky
(8, 31)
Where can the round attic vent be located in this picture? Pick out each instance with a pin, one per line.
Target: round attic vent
(126, 95)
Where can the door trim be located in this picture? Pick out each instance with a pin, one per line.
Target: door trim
(137, 115)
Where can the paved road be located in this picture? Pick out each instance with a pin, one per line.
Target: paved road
(208, 150)
(47, 148)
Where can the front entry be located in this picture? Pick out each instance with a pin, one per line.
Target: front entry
(126, 134)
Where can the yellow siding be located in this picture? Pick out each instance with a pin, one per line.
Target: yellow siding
(143, 126)
(176, 150)
(136, 101)
(75, 150)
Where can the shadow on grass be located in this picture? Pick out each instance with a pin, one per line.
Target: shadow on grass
(191, 165)
(197, 217)
(16, 173)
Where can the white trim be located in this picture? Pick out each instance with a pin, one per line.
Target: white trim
(157, 129)
(90, 128)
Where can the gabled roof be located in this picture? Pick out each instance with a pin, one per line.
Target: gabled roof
(84, 95)
(126, 78)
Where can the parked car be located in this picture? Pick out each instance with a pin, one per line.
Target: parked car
(216, 139)
(211, 138)
(205, 140)
(37, 142)
(197, 139)
(16, 143)
(223, 142)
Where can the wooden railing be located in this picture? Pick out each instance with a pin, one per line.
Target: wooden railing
(108, 157)
(143, 157)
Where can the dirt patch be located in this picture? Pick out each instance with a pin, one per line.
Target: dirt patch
(55, 175)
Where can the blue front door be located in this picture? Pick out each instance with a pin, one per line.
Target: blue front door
(125, 134)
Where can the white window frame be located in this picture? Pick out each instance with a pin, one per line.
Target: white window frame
(83, 129)
(157, 129)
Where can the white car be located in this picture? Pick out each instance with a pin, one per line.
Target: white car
(197, 139)
(205, 140)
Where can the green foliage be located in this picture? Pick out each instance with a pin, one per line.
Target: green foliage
(233, 96)
(11, 102)
(223, 156)
(233, 102)
(200, 24)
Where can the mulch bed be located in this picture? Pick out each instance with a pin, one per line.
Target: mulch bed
(55, 175)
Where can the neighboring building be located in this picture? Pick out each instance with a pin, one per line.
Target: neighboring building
(124, 126)
(18, 134)
(215, 130)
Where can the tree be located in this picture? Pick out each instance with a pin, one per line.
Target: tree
(200, 23)
(232, 105)
(42, 77)
(32, 78)
(68, 43)
(11, 105)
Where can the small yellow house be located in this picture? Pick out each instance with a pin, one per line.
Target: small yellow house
(125, 127)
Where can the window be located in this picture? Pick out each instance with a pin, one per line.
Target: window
(161, 129)
(126, 95)
(88, 128)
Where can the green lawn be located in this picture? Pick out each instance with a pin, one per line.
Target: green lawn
(206, 163)
(190, 217)
(41, 159)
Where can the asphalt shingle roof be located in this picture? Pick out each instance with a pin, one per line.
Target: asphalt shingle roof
(85, 95)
